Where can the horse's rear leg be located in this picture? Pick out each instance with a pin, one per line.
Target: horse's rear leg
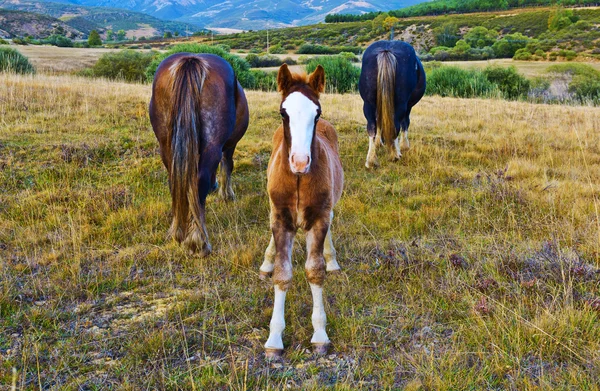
(226, 190)
(197, 238)
(374, 135)
(315, 272)
(405, 125)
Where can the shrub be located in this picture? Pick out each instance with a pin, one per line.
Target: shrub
(321, 49)
(456, 82)
(340, 75)
(265, 61)
(57, 40)
(277, 49)
(94, 39)
(3, 42)
(19, 41)
(126, 65)
(13, 61)
(264, 81)
(509, 44)
(512, 84)
(585, 83)
(522, 55)
(240, 66)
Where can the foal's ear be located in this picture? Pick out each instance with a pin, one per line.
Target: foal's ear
(284, 78)
(317, 79)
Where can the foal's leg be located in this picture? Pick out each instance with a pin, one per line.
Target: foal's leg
(266, 269)
(329, 252)
(226, 190)
(282, 279)
(405, 125)
(374, 136)
(315, 271)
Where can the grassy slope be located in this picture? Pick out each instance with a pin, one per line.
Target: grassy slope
(457, 275)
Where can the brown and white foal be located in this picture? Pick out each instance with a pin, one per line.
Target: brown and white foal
(305, 181)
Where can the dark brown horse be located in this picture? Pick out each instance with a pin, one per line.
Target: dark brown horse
(199, 113)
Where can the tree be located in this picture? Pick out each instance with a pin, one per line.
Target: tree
(121, 35)
(168, 34)
(446, 35)
(389, 22)
(94, 39)
(480, 37)
(176, 33)
(110, 35)
(509, 44)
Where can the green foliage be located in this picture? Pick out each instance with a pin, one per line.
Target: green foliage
(264, 81)
(522, 55)
(340, 75)
(128, 65)
(13, 61)
(110, 35)
(507, 46)
(121, 35)
(3, 42)
(321, 49)
(57, 40)
(457, 82)
(585, 82)
(446, 34)
(168, 34)
(561, 18)
(512, 84)
(265, 61)
(480, 37)
(277, 49)
(240, 66)
(94, 39)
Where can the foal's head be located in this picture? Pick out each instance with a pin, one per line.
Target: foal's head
(300, 110)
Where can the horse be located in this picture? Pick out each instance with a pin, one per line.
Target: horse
(392, 81)
(199, 113)
(304, 182)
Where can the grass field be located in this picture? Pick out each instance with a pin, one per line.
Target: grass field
(471, 264)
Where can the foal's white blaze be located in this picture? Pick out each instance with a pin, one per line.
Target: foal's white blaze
(277, 325)
(319, 319)
(302, 113)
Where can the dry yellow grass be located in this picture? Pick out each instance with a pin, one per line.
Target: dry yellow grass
(470, 264)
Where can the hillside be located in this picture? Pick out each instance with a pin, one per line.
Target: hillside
(471, 264)
(241, 14)
(19, 24)
(426, 32)
(84, 19)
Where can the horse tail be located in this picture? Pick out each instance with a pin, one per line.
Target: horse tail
(188, 75)
(386, 83)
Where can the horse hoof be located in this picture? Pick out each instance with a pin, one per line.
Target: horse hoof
(320, 349)
(273, 354)
(264, 275)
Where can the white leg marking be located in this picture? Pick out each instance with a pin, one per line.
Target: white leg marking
(277, 325)
(406, 142)
(268, 265)
(395, 151)
(319, 318)
(329, 253)
(372, 154)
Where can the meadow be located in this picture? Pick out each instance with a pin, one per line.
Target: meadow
(473, 263)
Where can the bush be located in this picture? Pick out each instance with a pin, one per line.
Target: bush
(57, 40)
(19, 41)
(456, 82)
(585, 83)
(240, 66)
(509, 44)
(265, 61)
(320, 49)
(94, 39)
(264, 81)
(126, 65)
(13, 61)
(3, 42)
(340, 75)
(522, 55)
(277, 49)
(512, 84)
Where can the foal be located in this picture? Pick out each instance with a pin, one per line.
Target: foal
(305, 181)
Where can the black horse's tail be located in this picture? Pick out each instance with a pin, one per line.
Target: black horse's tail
(188, 75)
(386, 83)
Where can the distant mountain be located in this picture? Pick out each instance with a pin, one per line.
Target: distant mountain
(246, 14)
(20, 24)
(83, 19)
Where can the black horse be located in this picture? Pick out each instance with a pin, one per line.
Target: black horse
(199, 113)
(392, 81)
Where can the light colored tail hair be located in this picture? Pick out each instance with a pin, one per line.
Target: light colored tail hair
(386, 83)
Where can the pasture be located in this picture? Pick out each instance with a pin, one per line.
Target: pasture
(473, 263)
